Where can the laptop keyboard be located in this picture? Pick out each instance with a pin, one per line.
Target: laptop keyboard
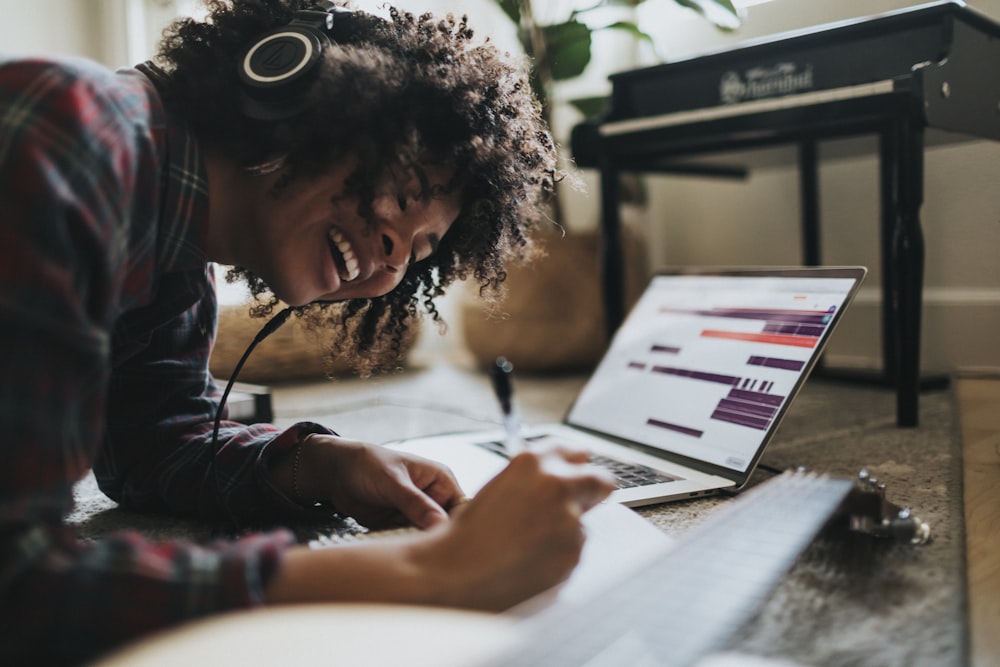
(629, 475)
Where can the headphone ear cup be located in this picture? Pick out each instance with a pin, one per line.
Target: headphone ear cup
(276, 70)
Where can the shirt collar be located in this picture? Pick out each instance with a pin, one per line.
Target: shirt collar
(182, 228)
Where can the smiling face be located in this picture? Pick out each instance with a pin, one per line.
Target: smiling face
(309, 242)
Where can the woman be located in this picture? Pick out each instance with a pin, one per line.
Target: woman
(399, 158)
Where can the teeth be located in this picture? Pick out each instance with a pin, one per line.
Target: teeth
(347, 252)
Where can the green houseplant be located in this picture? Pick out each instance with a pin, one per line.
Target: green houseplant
(562, 50)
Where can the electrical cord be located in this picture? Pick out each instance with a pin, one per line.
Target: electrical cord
(269, 328)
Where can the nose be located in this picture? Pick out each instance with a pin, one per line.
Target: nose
(394, 234)
(396, 252)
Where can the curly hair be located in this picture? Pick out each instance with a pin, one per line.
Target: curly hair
(395, 95)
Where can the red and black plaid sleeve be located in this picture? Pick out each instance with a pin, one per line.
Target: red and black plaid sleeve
(106, 321)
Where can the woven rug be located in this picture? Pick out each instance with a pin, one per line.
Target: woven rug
(853, 600)
(850, 600)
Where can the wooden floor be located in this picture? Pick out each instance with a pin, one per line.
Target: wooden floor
(979, 409)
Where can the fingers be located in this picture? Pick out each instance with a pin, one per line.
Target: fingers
(568, 474)
(572, 455)
(567, 452)
(522, 532)
(595, 488)
(437, 484)
(427, 492)
(457, 505)
(417, 506)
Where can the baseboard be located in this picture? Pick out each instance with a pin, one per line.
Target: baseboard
(958, 332)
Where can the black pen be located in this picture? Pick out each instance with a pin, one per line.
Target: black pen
(502, 387)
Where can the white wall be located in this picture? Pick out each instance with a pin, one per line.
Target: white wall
(71, 27)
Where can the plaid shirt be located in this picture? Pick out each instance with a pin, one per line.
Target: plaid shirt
(107, 317)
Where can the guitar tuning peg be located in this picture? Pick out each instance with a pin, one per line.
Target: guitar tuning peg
(913, 530)
(863, 475)
(907, 527)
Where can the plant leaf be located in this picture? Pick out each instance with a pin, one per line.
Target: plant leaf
(512, 8)
(620, 3)
(591, 107)
(568, 47)
(720, 12)
(629, 27)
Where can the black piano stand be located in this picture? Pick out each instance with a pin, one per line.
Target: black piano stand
(929, 67)
(901, 155)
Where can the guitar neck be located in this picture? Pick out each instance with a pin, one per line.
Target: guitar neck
(689, 601)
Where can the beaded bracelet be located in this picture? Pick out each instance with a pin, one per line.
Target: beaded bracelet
(295, 470)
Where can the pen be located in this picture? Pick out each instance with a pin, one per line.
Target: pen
(501, 374)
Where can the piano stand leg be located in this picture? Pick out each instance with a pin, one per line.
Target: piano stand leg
(809, 190)
(903, 155)
(612, 254)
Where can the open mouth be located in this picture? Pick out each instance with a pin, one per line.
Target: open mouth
(343, 255)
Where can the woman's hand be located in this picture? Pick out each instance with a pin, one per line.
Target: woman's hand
(519, 536)
(379, 487)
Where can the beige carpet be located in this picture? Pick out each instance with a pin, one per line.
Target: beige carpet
(857, 601)
(849, 601)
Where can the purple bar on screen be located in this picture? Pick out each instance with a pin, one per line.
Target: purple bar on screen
(775, 316)
(675, 427)
(750, 408)
(697, 375)
(672, 349)
(773, 362)
(786, 364)
(741, 420)
(756, 397)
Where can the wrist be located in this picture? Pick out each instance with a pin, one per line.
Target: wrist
(309, 475)
(384, 570)
(293, 472)
(444, 577)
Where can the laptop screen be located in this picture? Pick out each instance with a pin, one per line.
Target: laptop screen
(705, 364)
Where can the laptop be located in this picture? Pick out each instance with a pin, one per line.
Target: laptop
(692, 387)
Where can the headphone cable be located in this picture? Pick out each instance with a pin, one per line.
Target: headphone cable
(269, 328)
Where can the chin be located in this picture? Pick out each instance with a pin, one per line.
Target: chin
(297, 294)
(293, 297)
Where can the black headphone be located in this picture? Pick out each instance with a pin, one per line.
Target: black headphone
(276, 70)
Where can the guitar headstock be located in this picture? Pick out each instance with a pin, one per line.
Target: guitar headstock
(868, 511)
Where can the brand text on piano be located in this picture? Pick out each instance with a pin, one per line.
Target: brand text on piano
(760, 82)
